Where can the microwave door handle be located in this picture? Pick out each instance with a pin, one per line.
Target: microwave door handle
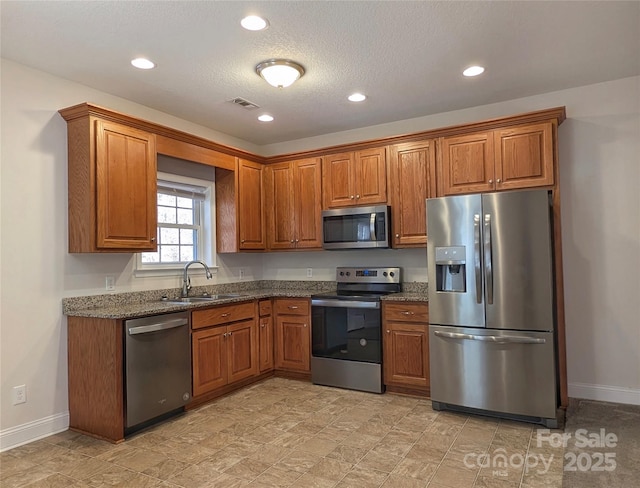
(476, 257)
(372, 226)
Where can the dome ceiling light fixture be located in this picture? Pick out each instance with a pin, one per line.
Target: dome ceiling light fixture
(280, 73)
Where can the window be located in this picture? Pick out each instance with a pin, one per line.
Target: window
(185, 224)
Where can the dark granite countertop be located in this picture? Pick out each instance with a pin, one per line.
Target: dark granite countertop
(139, 304)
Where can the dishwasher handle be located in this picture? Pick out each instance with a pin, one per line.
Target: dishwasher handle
(162, 325)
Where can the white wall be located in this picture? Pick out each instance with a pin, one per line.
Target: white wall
(599, 147)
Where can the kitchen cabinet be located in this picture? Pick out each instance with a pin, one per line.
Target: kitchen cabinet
(413, 180)
(293, 334)
(240, 208)
(224, 346)
(405, 362)
(502, 159)
(265, 336)
(111, 184)
(295, 204)
(354, 178)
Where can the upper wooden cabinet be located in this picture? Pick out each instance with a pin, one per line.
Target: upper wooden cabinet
(502, 159)
(354, 178)
(240, 205)
(413, 180)
(294, 195)
(112, 185)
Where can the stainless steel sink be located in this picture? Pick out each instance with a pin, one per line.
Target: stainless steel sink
(201, 298)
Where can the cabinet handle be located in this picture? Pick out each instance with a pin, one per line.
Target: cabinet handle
(293, 307)
(490, 181)
(224, 335)
(153, 239)
(406, 312)
(388, 331)
(297, 240)
(305, 325)
(229, 334)
(262, 325)
(498, 180)
(291, 241)
(351, 197)
(357, 196)
(397, 235)
(225, 315)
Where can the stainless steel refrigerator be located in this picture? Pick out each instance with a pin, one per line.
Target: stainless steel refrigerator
(491, 304)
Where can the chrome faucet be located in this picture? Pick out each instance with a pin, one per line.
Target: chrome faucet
(186, 281)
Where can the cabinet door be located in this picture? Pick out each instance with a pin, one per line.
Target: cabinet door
(242, 350)
(338, 178)
(406, 354)
(252, 233)
(412, 181)
(281, 210)
(524, 156)
(209, 356)
(126, 211)
(265, 347)
(292, 349)
(371, 176)
(466, 164)
(308, 203)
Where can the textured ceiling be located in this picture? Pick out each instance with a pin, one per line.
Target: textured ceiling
(406, 56)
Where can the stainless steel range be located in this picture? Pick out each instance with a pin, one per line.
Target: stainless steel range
(346, 329)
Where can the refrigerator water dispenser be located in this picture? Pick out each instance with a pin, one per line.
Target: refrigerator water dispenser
(451, 269)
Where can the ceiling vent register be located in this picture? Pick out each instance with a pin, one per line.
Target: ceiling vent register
(246, 104)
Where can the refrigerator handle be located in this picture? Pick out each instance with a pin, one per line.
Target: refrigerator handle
(490, 338)
(488, 268)
(476, 257)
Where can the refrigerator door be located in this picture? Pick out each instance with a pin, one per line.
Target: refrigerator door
(517, 263)
(454, 236)
(511, 372)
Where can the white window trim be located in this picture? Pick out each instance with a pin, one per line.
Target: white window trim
(208, 233)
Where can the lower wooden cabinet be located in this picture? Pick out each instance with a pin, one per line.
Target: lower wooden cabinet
(223, 354)
(406, 346)
(293, 335)
(265, 337)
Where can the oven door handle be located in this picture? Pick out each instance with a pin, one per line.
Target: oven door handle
(319, 302)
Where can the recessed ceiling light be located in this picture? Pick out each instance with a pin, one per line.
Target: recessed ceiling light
(143, 63)
(254, 23)
(265, 118)
(473, 71)
(357, 97)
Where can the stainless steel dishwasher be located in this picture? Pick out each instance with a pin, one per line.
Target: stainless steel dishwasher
(157, 367)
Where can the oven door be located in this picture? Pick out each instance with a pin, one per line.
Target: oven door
(346, 329)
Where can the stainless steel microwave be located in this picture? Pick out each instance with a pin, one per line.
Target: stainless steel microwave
(356, 227)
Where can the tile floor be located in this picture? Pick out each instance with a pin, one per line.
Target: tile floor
(289, 433)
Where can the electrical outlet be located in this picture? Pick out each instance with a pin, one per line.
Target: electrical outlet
(241, 273)
(19, 394)
(309, 272)
(110, 283)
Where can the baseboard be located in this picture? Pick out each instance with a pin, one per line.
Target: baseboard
(604, 393)
(32, 431)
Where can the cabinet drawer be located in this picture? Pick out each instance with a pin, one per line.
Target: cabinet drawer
(222, 315)
(264, 307)
(292, 306)
(406, 312)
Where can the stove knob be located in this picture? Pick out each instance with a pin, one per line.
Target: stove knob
(348, 273)
(384, 273)
(341, 273)
(392, 274)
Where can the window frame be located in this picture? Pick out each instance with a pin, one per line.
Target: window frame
(205, 246)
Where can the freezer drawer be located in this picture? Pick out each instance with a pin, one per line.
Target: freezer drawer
(511, 372)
